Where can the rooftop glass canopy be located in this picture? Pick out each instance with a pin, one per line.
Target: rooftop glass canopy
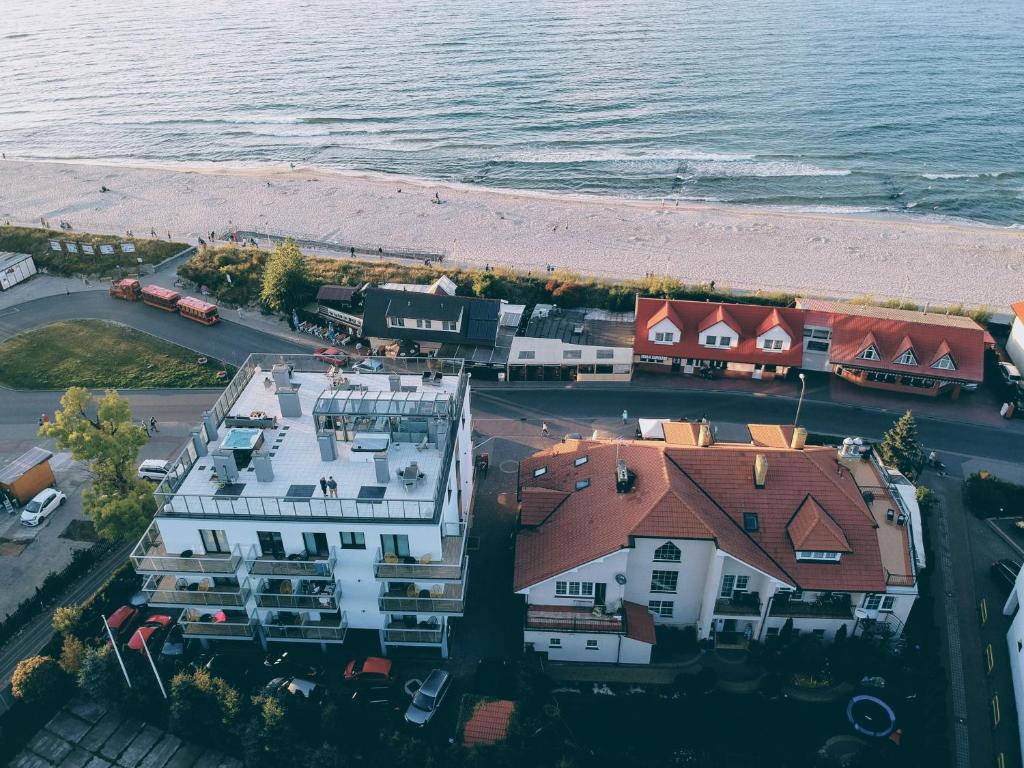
(377, 403)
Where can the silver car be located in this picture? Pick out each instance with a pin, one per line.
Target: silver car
(428, 698)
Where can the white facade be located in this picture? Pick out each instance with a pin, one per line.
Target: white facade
(284, 561)
(1015, 645)
(775, 339)
(721, 335)
(1015, 344)
(664, 332)
(14, 268)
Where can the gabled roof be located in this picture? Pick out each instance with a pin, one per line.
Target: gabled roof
(774, 320)
(869, 342)
(478, 318)
(941, 352)
(718, 315)
(488, 723)
(1018, 310)
(681, 432)
(667, 312)
(813, 529)
(904, 345)
(336, 293)
(745, 319)
(538, 503)
(771, 435)
(639, 623)
(684, 492)
(13, 470)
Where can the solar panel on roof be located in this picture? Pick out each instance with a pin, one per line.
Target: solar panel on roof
(483, 310)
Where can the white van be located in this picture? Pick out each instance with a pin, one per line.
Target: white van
(370, 365)
(154, 469)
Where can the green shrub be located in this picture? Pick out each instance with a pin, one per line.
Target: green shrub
(36, 242)
(37, 680)
(988, 496)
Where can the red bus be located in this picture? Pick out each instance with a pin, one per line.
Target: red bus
(200, 311)
(161, 298)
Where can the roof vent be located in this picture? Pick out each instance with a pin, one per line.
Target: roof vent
(799, 439)
(760, 470)
(624, 479)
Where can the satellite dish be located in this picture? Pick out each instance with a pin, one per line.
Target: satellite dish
(620, 579)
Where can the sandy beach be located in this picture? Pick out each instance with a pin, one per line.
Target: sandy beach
(743, 248)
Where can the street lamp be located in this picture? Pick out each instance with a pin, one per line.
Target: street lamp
(803, 383)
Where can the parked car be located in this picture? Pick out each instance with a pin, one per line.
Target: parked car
(428, 698)
(295, 686)
(151, 627)
(154, 469)
(174, 645)
(1006, 571)
(120, 621)
(285, 663)
(332, 356)
(41, 506)
(379, 698)
(370, 365)
(372, 669)
(1010, 374)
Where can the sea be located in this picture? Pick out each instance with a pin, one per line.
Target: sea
(906, 108)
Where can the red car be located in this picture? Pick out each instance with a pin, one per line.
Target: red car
(149, 627)
(331, 355)
(372, 669)
(121, 620)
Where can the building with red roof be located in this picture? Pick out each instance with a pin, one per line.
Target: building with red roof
(733, 539)
(737, 339)
(894, 349)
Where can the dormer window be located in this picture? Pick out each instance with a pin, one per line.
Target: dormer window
(818, 557)
(725, 341)
(945, 363)
(540, 471)
(579, 461)
(772, 345)
(668, 553)
(907, 358)
(581, 484)
(869, 353)
(666, 337)
(710, 340)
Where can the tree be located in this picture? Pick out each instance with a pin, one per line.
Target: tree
(66, 619)
(203, 707)
(119, 504)
(901, 448)
(72, 654)
(37, 679)
(99, 675)
(285, 278)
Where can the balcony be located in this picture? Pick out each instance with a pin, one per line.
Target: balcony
(413, 633)
(740, 604)
(567, 618)
(150, 556)
(282, 627)
(174, 592)
(451, 566)
(835, 606)
(447, 598)
(307, 595)
(222, 625)
(300, 564)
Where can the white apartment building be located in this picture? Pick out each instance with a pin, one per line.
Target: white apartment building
(733, 539)
(247, 544)
(1015, 643)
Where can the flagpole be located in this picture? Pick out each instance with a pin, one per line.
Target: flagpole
(149, 656)
(116, 652)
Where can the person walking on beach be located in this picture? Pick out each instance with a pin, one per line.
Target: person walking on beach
(152, 423)
(332, 485)
(625, 416)
(323, 485)
(544, 428)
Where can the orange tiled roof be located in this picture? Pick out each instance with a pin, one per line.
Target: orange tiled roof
(489, 722)
(639, 623)
(696, 493)
(746, 319)
(812, 528)
(681, 432)
(771, 435)
(1018, 310)
(538, 503)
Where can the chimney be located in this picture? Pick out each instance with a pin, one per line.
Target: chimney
(395, 382)
(760, 470)
(704, 438)
(381, 467)
(624, 479)
(263, 467)
(282, 375)
(799, 439)
(288, 402)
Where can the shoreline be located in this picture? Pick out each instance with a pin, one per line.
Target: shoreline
(898, 256)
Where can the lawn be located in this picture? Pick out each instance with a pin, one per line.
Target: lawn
(36, 242)
(96, 354)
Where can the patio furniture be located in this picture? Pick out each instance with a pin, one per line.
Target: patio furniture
(393, 559)
(426, 559)
(422, 444)
(436, 591)
(410, 591)
(424, 593)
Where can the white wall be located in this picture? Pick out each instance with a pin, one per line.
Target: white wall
(1015, 645)
(664, 326)
(1015, 346)
(775, 334)
(692, 569)
(574, 647)
(602, 570)
(718, 330)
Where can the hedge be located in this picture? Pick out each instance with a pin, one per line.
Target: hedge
(989, 496)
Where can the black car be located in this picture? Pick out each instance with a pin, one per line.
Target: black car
(380, 698)
(1005, 571)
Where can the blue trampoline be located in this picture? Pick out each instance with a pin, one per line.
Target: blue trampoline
(871, 716)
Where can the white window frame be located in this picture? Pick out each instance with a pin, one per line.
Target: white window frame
(527, 354)
(574, 589)
(449, 325)
(605, 354)
(871, 601)
(945, 363)
(655, 588)
(818, 556)
(580, 461)
(540, 471)
(582, 483)
(424, 324)
(725, 341)
(592, 645)
(869, 353)
(727, 586)
(661, 608)
(664, 337)
(710, 341)
(396, 322)
(906, 358)
(888, 604)
(555, 643)
(772, 345)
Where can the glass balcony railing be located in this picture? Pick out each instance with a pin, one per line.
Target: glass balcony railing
(225, 625)
(451, 566)
(447, 598)
(169, 591)
(151, 556)
(399, 633)
(305, 595)
(300, 564)
(330, 630)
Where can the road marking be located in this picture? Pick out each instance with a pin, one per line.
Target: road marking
(984, 611)
(996, 716)
(990, 660)
(8, 311)
(1001, 760)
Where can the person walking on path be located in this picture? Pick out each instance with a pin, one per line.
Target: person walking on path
(332, 485)
(544, 428)
(152, 424)
(323, 485)
(625, 416)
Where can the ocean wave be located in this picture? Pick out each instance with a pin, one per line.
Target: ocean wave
(761, 169)
(571, 156)
(985, 175)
